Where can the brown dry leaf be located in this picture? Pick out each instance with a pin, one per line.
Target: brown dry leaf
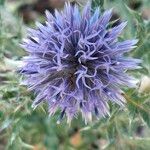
(146, 13)
(39, 147)
(57, 3)
(76, 139)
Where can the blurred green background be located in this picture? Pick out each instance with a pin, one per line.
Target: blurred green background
(22, 128)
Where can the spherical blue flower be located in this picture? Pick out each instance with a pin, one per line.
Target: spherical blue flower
(76, 63)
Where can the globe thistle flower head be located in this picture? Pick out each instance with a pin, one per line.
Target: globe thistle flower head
(76, 63)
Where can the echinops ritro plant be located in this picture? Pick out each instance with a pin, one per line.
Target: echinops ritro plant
(76, 63)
